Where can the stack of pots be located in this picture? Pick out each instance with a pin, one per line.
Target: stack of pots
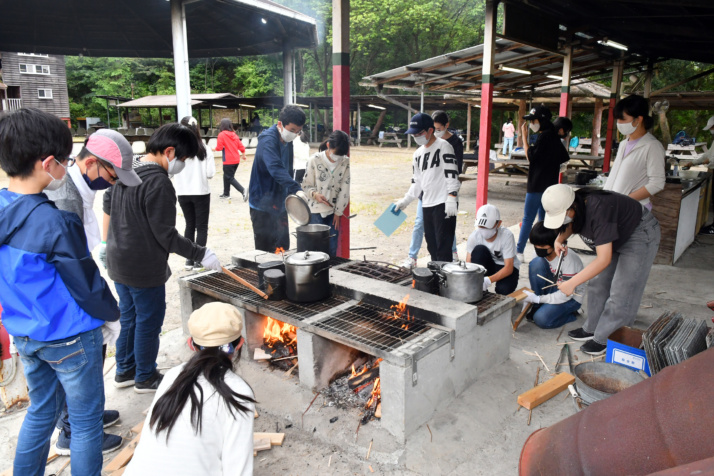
(460, 281)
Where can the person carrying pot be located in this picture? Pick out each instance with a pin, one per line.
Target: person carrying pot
(327, 184)
(545, 158)
(638, 170)
(435, 173)
(625, 237)
(494, 247)
(201, 419)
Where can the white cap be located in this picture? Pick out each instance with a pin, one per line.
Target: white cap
(710, 123)
(556, 200)
(487, 216)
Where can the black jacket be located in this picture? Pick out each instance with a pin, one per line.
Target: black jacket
(142, 229)
(545, 157)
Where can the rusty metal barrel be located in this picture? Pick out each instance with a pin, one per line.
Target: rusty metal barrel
(663, 422)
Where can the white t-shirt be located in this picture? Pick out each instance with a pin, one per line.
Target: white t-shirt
(193, 179)
(502, 248)
(224, 446)
(435, 173)
(572, 265)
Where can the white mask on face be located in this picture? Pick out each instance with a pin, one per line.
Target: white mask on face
(711, 131)
(627, 128)
(421, 140)
(535, 126)
(286, 135)
(176, 166)
(567, 220)
(439, 134)
(56, 183)
(487, 233)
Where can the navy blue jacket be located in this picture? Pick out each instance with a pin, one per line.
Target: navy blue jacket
(271, 179)
(50, 287)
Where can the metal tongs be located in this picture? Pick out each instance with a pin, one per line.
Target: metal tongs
(559, 270)
(565, 352)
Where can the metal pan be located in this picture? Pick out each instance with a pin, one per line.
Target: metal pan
(298, 209)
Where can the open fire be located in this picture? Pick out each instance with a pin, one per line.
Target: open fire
(280, 343)
(401, 312)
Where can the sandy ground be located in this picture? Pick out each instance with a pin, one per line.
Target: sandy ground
(481, 432)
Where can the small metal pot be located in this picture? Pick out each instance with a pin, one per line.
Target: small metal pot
(424, 279)
(274, 284)
(263, 267)
(461, 281)
(307, 276)
(314, 237)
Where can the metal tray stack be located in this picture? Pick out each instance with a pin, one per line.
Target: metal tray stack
(672, 339)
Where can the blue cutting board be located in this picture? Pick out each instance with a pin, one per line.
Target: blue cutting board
(390, 220)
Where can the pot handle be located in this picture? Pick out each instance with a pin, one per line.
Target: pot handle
(294, 233)
(314, 275)
(442, 278)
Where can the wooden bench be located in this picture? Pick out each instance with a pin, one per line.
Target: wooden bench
(391, 138)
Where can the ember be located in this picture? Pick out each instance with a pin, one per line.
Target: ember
(401, 312)
(280, 342)
(279, 251)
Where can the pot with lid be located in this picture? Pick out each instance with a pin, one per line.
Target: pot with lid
(424, 279)
(307, 276)
(313, 237)
(461, 281)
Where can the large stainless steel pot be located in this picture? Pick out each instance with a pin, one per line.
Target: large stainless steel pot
(307, 276)
(314, 237)
(461, 281)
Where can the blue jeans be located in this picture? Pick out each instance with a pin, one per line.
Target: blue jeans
(507, 141)
(68, 370)
(418, 233)
(549, 316)
(142, 315)
(530, 209)
(318, 219)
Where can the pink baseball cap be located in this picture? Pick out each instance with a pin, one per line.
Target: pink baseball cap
(112, 147)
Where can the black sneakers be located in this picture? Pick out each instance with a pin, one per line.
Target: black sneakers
(593, 348)
(124, 380)
(150, 385)
(110, 443)
(580, 334)
(224, 196)
(188, 265)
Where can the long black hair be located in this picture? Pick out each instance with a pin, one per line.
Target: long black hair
(338, 140)
(581, 198)
(212, 363)
(635, 106)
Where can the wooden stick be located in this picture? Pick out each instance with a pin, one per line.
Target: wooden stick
(62, 468)
(308, 407)
(284, 358)
(521, 316)
(431, 435)
(545, 279)
(245, 283)
(543, 361)
(370, 449)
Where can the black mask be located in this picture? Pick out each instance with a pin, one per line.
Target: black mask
(542, 252)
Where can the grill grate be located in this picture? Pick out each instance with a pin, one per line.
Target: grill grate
(378, 270)
(373, 326)
(224, 285)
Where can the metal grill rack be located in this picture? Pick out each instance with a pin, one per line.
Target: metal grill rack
(378, 270)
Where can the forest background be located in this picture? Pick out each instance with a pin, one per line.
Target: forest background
(384, 34)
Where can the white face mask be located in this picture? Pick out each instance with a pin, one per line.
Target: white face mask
(286, 135)
(567, 220)
(176, 166)
(535, 126)
(711, 131)
(421, 140)
(337, 158)
(627, 128)
(439, 134)
(56, 183)
(487, 233)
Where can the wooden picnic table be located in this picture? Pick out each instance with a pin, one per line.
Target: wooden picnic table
(391, 138)
(688, 152)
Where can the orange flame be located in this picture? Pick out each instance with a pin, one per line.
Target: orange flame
(276, 331)
(376, 395)
(365, 368)
(279, 251)
(401, 312)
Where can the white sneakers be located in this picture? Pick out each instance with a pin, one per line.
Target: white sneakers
(409, 263)
(520, 257)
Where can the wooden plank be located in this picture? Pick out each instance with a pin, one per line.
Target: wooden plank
(545, 391)
(138, 427)
(124, 456)
(118, 472)
(519, 294)
(520, 317)
(276, 439)
(261, 444)
(256, 413)
(52, 455)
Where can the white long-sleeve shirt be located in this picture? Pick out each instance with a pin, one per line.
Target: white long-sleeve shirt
(331, 179)
(224, 447)
(435, 173)
(193, 179)
(642, 167)
(708, 155)
(572, 265)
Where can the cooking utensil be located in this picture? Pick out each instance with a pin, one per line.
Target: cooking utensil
(390, 220)
(461, 281)
(599, 380)
(298, 209)
(263, 267)
(576, 397)
(275, 284)
(307, 276)
(313, 237)
(245, 283)
(424, 279)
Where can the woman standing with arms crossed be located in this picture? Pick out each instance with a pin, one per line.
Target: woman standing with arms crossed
(194, 194)
(231, 146)
(638, 171)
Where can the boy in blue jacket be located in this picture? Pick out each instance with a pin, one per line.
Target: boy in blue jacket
(54, 299)
(271, 181)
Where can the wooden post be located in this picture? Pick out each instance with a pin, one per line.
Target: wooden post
(359, 124)
(468, 127)
(521, 112)
(597, 125)
(611, 126)
(565, 83)
(486, 103)
(341, 96)
(409, 136)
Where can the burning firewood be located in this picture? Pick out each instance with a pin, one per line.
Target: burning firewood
(358, 381)
(280, 343)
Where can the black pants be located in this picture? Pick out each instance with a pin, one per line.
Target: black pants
(439, 232)
(298, 175)
(229, 174)
(482, 255)
(195, 210)
(270, 231)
